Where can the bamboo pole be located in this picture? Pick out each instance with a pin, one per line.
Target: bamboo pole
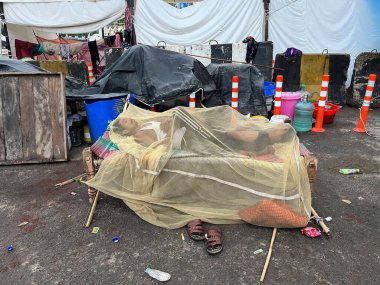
(320, 222)
(269, 255)
(92, 210)
(71, 180)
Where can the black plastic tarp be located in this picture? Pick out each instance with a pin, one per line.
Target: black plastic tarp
(14, 65)
(154, 75)
(251, 90)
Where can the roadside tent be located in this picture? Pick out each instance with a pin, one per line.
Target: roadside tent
(46, 18)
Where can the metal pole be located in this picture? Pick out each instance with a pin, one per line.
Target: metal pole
(266, 19)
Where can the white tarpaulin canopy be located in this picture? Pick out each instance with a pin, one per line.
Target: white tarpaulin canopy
(341, 26)
(223, 21)
(64, 16)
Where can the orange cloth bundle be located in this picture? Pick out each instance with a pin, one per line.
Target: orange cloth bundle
(269, 213)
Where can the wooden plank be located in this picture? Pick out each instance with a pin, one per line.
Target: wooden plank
(63, 95)
(57, 114)
(2, 142)
(12, 119)
(17, 74)
(42, 121)
(28, 162)
(28, 129)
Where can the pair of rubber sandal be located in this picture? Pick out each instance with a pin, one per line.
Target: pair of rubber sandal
(213, 237)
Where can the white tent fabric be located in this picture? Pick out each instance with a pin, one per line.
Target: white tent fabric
(342, 26)
(223, 21)
(36, 1)
(65, 17)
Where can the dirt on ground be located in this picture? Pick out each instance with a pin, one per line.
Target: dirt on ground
(55, 248)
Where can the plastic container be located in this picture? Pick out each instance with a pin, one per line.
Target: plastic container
(279, 119)
(269, 88)
(303, 114)
(269, 103)
(87, 136)
(330, 111)
(100, 113)
(288, 103)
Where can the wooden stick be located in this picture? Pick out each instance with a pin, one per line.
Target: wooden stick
(320, 222)
(70, 180)
(269, 255)
(92, 210)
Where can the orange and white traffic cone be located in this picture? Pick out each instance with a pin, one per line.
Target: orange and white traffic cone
(235, 92)
(192, 100)
(360, 128)
(91, 76)
(277, 96)
(321, 105)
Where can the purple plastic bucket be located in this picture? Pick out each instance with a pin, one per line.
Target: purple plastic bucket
(288, 103)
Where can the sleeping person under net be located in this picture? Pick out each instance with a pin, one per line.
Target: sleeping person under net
(259, 144)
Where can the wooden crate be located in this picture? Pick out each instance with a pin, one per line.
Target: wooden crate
(32, 118)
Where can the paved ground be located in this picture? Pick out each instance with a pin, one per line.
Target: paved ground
(55, 248)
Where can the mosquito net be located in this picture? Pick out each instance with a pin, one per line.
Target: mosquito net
(208, 163)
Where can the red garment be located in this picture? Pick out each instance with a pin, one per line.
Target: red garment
(117, 43)
(24, 49)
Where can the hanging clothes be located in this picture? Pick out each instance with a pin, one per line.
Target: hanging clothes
(76, 48)
(117, 43)
(51, 48)
(109, 41)
(252, 47)
(94, 52)
(130, 37)
(292, 52)
(65, 51)
(38, 49)
(128, 19)
(24, 49)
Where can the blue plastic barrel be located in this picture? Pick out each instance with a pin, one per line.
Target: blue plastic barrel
(100, 113)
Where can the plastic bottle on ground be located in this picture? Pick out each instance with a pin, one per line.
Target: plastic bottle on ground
(303, 114)
(157, 274)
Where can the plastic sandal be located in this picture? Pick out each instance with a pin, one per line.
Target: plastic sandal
(195, 230)
(214, 242)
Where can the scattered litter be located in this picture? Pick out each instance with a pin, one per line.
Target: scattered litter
(23, 224)
(311, 232)
(347, 201)
(360, 198)
(258, 251)
(183, 237)
(328, 219)
(115, 240)
(95, 230)
(347, 171)
(157, 274)
(10, 248)
(73, 193)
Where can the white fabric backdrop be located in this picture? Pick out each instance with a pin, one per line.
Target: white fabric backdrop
(222, 20)
(65, 17)
(342, 26)
(36, 1)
